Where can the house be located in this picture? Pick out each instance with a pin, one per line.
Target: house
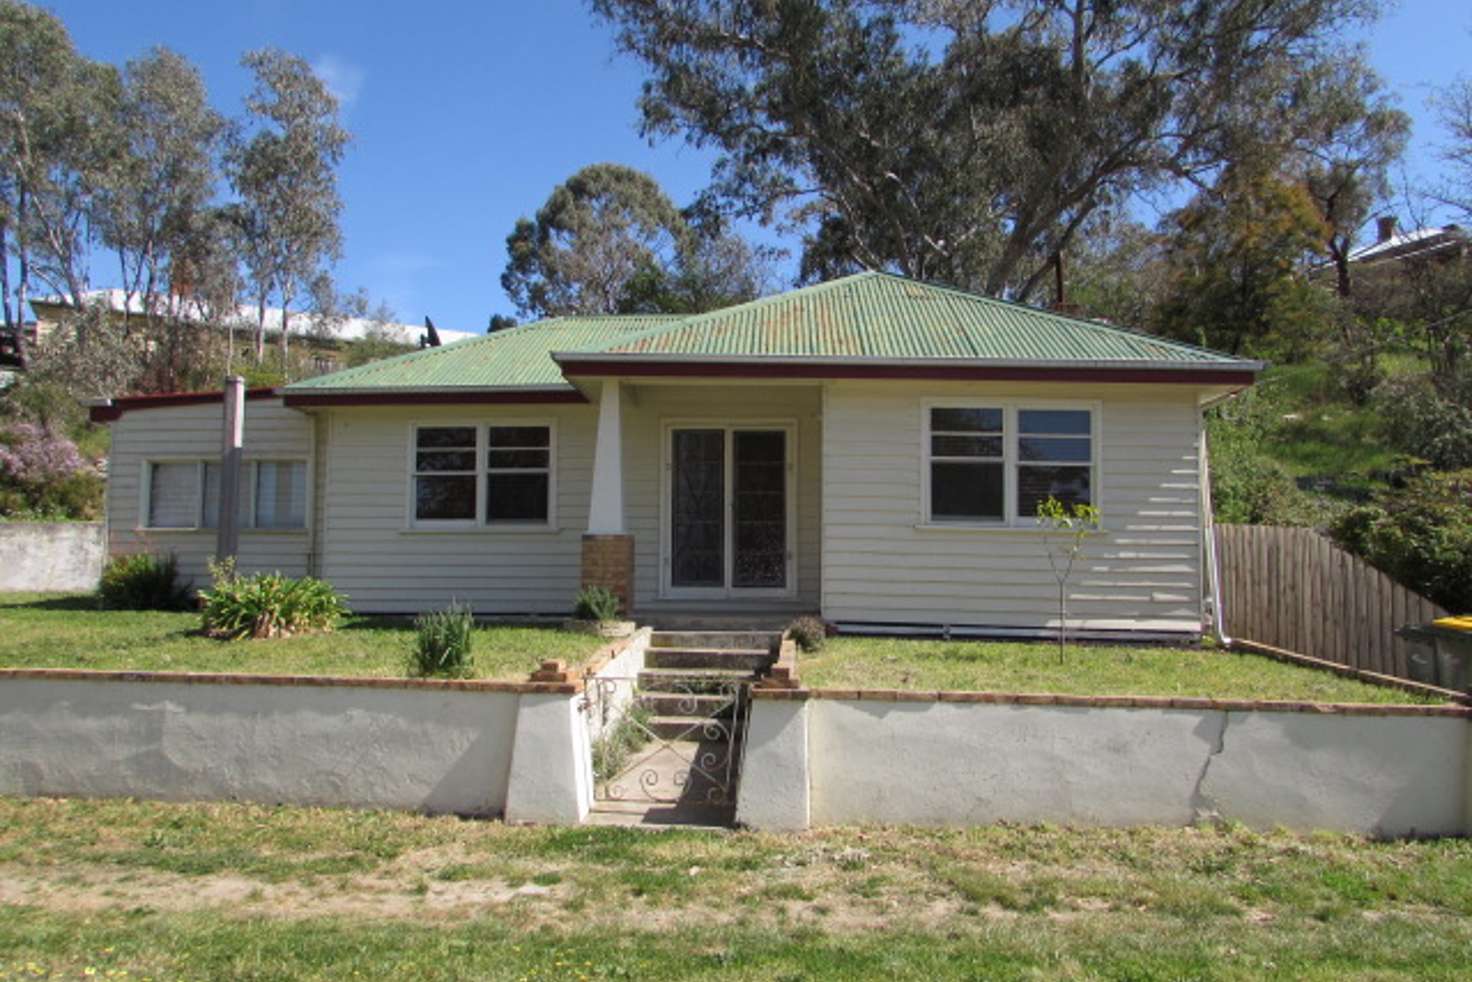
(871, 448)
(320, 340)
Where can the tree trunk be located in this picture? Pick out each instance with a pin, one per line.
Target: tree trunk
(260, 330)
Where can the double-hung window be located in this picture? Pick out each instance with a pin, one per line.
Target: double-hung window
(967, 465)
(993, 464)
(185, 494)
(496, 476)
(445, 473)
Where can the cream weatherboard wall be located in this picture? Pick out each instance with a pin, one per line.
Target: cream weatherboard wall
(194, 432)
(883, 565)
(372, 552)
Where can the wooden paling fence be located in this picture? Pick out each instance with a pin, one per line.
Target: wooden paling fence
(1292, 588)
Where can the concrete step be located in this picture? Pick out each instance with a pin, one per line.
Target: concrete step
(741, 640)
(699, 680)
(692, 729)
(686, 704)
(749, 659)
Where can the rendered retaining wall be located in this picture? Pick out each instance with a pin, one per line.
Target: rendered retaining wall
(51, 555)
(975, 758)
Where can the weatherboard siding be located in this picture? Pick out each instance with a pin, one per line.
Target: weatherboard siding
(369, 551)
(879, 567)
(272, 432)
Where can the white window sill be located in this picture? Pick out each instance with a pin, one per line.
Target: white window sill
(993, 528)
(480, 530)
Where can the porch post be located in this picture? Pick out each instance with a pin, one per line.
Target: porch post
(608, 549)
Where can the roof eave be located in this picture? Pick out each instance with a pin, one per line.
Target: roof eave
(571, 359)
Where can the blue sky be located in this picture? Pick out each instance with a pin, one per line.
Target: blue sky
(465, 115)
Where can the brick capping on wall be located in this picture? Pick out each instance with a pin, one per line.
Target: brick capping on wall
(1116, 702)
(1294, 658)
(608, 561)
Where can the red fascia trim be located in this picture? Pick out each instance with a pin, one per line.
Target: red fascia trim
(305, 399)
(966, 373)
(106, 414)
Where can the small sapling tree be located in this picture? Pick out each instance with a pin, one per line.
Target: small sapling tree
(1065, 529)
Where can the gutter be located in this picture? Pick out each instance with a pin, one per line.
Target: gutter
(580, 357)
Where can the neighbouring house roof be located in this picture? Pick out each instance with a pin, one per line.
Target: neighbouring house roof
(299, 324)
(1412, 244)
(866, 325)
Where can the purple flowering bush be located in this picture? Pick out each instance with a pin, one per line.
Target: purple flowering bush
(43, 475)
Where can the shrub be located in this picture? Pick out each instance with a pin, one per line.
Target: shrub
(596, 603)
(444, 642)
(1419, 421)
(268, 605)
(809, 633)
(45, 477)
(142, 581)
(1420, 536)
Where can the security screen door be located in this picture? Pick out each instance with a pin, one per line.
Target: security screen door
(728, 510)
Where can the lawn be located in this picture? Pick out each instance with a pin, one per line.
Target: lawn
(70, 631)
(116, 889)
(890, 663)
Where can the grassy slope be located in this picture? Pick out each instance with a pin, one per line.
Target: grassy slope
(232, 891)
(887, 663)
(69, 631)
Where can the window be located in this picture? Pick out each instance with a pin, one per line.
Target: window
(173, 495)
(280, 494)
(967, 476)
(444, 473)
(518, 473)
(994, 464)
(496, 476)
(1055, 454)
(186, 494)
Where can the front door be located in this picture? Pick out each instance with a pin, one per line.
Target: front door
(729, 518)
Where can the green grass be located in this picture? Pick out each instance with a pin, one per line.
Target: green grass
(888, 663)
(70, 631)
(134, 890)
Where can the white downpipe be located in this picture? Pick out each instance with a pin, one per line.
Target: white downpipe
(1213, 567)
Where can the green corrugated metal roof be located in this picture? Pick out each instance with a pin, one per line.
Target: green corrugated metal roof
(866, 316)
(878, 315)
(515, 357)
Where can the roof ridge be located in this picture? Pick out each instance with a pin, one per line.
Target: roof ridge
(692, 319)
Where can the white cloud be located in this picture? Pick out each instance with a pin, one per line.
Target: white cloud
(342, 78)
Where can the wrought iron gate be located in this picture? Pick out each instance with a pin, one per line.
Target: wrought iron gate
(680, 744)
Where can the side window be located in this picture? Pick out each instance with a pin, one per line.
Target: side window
(518, 474)
(280, 494)
(444, 473)
(173, 495)
(967, 465)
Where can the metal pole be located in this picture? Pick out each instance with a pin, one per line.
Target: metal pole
(227, 542)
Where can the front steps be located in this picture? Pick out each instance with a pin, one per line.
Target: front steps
(691, 687)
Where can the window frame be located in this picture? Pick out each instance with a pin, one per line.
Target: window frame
(413, 523)
(1011, 408)
(248, 478)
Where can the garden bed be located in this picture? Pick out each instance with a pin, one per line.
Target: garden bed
(70, 631)
(975, 666)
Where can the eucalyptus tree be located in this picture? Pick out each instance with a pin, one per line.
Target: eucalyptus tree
(57, 137)
(155, 203)
(969, 140)
(283, 168)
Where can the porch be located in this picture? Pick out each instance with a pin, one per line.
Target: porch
(705, 501)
